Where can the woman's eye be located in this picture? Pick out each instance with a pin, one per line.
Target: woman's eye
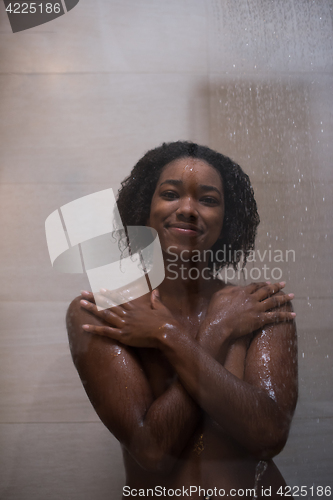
(209, 200)
(169, 195)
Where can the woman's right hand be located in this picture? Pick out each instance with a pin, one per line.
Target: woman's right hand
(236, 311)
(138, 323)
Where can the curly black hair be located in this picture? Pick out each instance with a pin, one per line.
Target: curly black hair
(241, 218)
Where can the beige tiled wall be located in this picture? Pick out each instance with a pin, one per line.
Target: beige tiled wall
(271, 110)
(82, 98)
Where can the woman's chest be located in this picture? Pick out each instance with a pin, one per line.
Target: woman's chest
(160, 374)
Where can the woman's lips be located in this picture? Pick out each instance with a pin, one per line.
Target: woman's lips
(185, 230)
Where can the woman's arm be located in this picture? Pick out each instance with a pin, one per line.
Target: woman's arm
(257, 410)
(154, 431)
(216, 390)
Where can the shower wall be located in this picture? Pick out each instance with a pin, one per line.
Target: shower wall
(271, 82)
(82, 98)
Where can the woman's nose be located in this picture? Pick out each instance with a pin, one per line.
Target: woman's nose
(187, 208)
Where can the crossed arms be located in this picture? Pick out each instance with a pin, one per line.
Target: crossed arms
(255, 407)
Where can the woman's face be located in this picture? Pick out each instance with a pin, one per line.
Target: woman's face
(187, 208)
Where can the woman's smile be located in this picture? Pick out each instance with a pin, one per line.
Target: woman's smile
(182, 228)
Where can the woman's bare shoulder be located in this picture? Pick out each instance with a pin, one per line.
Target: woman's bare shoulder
(77, 316)
(83, 344)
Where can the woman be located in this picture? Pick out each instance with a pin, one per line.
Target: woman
(197, 380)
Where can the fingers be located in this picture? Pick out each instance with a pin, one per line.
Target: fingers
(253, 287)
(109, 299)
(88, 295)
(118, 310)
(113, 316)
(276, 301)
(98, 298)
(268, 290)
(103, 299)
(105, 331)
(89, 307)
(278, 317)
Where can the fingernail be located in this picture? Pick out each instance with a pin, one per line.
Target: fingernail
(85, 327)
(268, 282)
(103, 290)
(293, 315)
(291, 295)
(84, 292)
(282, 283)
(84, 302)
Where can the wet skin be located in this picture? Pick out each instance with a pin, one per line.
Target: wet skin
(198, 381)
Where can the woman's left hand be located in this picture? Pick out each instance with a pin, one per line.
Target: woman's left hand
(138, 323)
